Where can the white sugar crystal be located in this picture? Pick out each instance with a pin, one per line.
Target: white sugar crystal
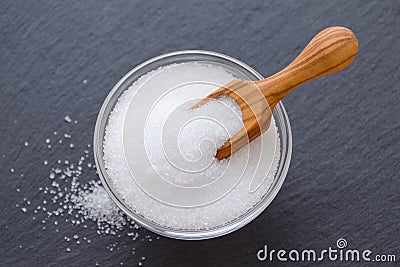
(197, 141)
(67, 119)
(47, 141)
(79, 203)
(96, 205)
(26, 143)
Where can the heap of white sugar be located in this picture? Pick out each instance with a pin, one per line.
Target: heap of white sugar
(197, 140)
(179, 148)
(93, 203)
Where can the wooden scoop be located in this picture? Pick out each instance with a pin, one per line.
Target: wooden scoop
(330, 51)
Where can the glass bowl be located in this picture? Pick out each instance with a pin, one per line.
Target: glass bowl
(236, 67)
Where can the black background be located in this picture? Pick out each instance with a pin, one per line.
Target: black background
(343, 180)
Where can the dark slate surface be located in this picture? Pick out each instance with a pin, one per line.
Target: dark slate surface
(344, 176)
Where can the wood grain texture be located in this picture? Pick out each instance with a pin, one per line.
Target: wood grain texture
(330, 51)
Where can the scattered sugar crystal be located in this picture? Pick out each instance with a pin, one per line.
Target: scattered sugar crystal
(67, 119)
(71, 145)
(69, 200)
(78, 202)
(96, 204)
(198, 136)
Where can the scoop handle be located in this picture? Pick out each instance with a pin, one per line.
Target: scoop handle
(330, 51)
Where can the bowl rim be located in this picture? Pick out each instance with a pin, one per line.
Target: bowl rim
(283, 165)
